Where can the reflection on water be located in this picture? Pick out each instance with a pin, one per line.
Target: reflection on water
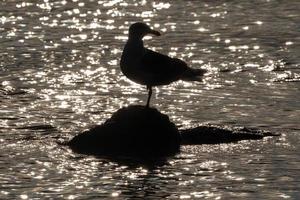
(59, 75)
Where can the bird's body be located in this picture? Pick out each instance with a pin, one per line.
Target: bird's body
(151, 68)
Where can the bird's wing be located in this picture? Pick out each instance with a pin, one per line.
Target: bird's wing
(162, 65)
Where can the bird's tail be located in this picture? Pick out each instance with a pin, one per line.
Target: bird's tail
(193, 74)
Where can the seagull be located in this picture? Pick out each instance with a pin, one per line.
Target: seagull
(150, 68)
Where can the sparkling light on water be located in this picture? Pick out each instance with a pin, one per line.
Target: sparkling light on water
(59, 75)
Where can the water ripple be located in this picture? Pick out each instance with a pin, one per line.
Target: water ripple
(59, 66)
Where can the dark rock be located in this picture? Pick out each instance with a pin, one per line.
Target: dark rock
(134, 131)
(141, 132)
(217, 135)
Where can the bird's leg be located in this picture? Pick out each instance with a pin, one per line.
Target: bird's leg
(149, 95)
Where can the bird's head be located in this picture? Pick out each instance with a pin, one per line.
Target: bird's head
(139, 30)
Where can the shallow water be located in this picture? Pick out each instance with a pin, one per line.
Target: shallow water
(59, 75)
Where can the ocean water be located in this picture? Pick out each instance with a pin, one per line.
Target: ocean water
(59, 75)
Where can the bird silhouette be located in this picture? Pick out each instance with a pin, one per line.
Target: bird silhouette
(150, 68)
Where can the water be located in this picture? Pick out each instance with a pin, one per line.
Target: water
(59, 75)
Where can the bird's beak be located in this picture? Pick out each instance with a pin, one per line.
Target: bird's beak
(151, 31)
